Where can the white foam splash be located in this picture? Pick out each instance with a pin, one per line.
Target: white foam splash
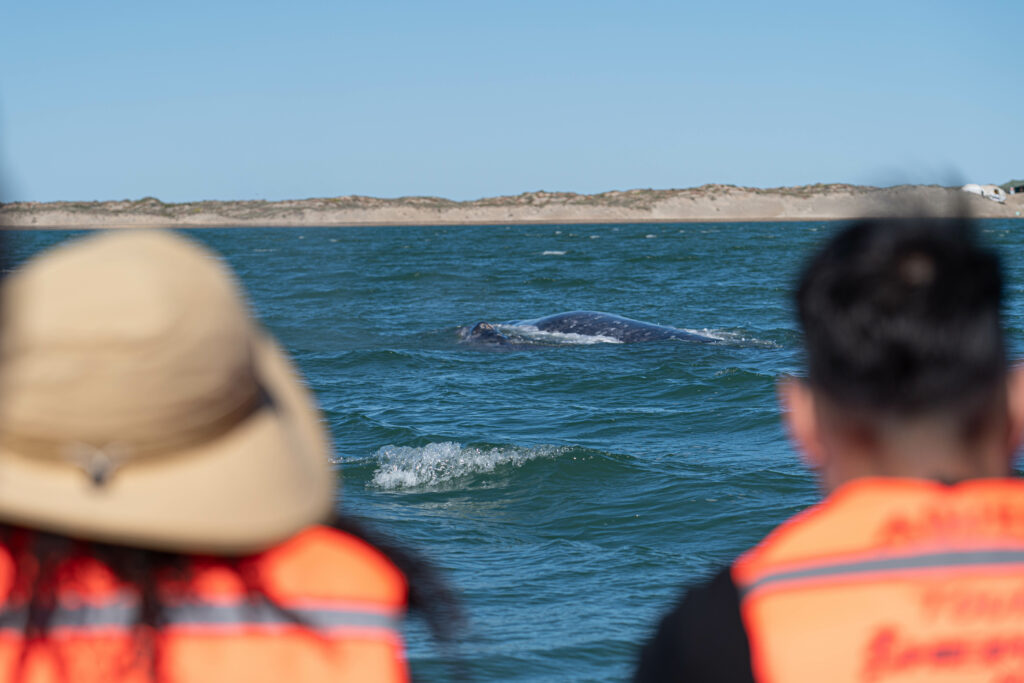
(553, 253)
(734, 337)
(532, 334)
(717, 335)
(439, 463)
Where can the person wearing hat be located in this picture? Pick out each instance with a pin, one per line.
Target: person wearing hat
(912, 567)
(165, 487)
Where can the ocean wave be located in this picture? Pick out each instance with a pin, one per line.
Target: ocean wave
(436, 464)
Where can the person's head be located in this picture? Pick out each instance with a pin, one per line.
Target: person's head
(145, 418)
(141, 404)
(906, 366)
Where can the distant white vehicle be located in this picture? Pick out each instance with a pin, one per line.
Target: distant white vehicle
(993, 192)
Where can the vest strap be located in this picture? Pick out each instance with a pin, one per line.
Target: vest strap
(123, 613)
(842, 570)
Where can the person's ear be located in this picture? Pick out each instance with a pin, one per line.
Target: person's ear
(1015, 408)
(800, 414)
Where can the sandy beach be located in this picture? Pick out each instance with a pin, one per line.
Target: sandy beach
(705, 203)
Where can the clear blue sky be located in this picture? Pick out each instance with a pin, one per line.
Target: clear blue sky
(239, 100)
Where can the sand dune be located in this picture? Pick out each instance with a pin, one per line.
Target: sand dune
(705, 203)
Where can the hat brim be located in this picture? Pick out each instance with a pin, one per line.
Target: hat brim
(244, 491)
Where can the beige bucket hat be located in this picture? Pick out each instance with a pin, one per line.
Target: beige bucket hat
(140, 403)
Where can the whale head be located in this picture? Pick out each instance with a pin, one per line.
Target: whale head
(485, 333)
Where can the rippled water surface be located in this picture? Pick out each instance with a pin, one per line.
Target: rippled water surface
(570, 487)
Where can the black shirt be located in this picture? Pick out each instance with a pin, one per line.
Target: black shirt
(701, 639)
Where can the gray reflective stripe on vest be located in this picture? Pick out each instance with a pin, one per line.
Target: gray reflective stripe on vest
(967, 558)
(125, 614)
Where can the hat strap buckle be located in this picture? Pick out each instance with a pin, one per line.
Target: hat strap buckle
(99, 463)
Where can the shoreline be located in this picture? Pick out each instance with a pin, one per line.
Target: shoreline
(708, 203)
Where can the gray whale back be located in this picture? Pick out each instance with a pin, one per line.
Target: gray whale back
(597, 324)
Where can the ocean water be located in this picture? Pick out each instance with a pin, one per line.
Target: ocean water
(569, 488)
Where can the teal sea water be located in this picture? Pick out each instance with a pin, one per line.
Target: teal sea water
(567, 489)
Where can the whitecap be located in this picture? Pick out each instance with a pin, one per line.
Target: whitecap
(402, 467)
(553, 253)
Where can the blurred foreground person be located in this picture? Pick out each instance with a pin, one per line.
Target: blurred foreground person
(164, 483)
(912, 568)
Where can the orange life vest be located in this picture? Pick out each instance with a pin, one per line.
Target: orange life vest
(349, 597)
(891, 580)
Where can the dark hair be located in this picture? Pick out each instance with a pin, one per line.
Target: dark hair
(38, 558)
(901, 316)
